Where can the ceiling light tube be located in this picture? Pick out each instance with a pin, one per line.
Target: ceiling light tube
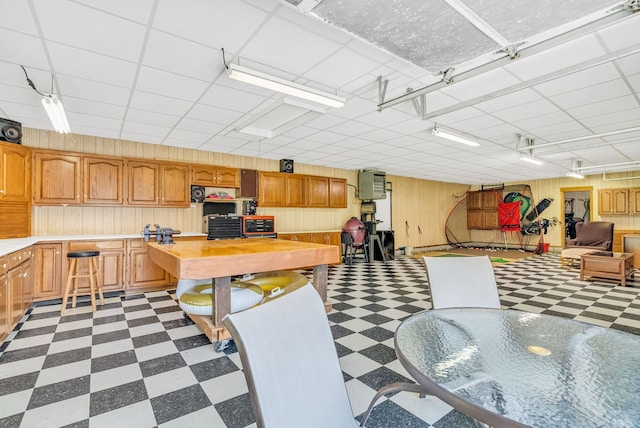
(531, 159)
(57, 116)
(263, 80)
(620, 165)
(574, 174)
(442, 134)
(586, 137)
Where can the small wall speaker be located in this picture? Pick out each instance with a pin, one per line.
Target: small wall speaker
(197, 194)
(10, 131)
(286, 165)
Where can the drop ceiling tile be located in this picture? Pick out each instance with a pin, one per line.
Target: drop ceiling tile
(582, 79)
(543, 120)
(229, 98)
(16, 16)
(458, 115)
(200, 126)
(79, 119)
(90, 130)
(616, 36)
(91, 90)
(138, 11)
(352, 128)
(159, 103)
(152, 117)
(181, 143)
(513, 99)
(485, 83)
(205, 113)
(380, 135)
(611, 119)
(629, 64)
(157, 132)
(188, 136)
(351, 66)
(273, 47)
(635, 82)
(169, 84)
(384, 118)
(30, 55)
(91, 66)
(89, 29)
(93, 108)
(325, 121)
(604, 107)
(551, 60)
(472, 124)
(536, 108)
(175, 54)
(220, 24)
(603, 91)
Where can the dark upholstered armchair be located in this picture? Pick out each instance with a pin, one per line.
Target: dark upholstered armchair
(597, 235)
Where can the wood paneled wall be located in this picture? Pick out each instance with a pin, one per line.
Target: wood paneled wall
(419, 207)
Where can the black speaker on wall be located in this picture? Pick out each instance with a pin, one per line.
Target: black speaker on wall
(197, 194)
(286, 165)
(10, 131)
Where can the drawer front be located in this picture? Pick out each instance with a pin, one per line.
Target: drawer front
(18, 257)
(4, 264)
(117, 244)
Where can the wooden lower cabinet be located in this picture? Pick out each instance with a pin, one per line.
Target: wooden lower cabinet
(4, 307)
(326, 238)
(111, 264)
(18, 289)
(48, 275)
(143, 273)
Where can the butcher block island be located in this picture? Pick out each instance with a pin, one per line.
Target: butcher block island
(222, 259)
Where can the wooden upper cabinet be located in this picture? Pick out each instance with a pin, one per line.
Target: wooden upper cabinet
(482, 210)
(215, 176)
(634, 200)
(143, 183)
(15, 173)
(271, 191)
(228, 177)
(338, 193)
(103, 181)
(174, 186)
(296, 190)
(318, 191)
(613, 201)
(57, 179)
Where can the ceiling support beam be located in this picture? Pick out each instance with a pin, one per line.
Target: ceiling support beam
(532, 49)
(631, 50)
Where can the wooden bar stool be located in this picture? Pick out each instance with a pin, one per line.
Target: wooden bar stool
(93, 274)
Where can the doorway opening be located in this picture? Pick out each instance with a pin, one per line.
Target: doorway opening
(576, 208)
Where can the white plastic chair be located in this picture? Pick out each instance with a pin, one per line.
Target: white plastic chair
(458, 282)
(290, 363)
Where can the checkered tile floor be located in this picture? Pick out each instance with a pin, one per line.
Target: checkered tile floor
(138, 362)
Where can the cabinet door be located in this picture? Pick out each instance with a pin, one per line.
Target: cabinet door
(27, 285)
(16, 281)
(47, 277)
(103, 181)
(15, 173)
(228, 177)
(337, 193)
(296, 190)
(175, 187)
(248, 183)
(474, 200)
(605, 201)
(490, 200)
(143, 272)
(143, 183)
(621, 201)
(272, 189)
(57, 179)
(112, 269)
(318, 188)
(634, 200)
(4, 307)
(203, 175)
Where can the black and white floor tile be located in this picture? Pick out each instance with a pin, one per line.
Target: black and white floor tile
(138, 362)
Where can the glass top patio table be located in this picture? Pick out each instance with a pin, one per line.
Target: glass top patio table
(512, 369)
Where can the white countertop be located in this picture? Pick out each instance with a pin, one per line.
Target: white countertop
(10, 245)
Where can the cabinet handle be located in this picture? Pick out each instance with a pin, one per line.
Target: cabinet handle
(24, 275)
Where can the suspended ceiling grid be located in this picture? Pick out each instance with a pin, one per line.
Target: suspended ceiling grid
(158, 77)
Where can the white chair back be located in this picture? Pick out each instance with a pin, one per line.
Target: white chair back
(290, 363)
(456, 282)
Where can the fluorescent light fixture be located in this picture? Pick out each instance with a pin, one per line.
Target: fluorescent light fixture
(586, 137)
(574, 174)
(57, 116)
(263, 80)
(531, 159)
(449, 136)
